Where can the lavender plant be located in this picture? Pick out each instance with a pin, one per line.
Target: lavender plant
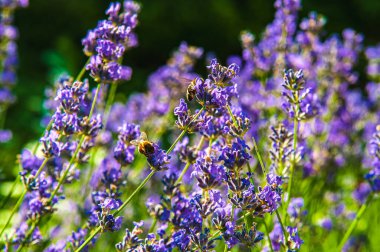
(252, 156)
(9, 60)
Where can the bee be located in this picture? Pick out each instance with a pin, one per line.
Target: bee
(145, 146)
(190, 92)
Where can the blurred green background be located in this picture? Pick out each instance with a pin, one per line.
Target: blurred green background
(51, 33)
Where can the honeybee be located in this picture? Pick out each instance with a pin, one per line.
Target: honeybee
(190, 92)
(145, 146)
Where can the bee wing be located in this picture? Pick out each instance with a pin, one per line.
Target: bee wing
(184, 80)
(135, 142)
(143, 136)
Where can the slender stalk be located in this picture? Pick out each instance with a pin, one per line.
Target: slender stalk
(3, 116)
(110, 99)
(98, 229)
(283, 228)
(142, 184)
(176, 141)
(225, 247)
(5, 200)
(183, 173)
(188, 163)
(63, 177)
(21, 198)
(217, 233)
(295, 133)
(94, 100)
(267, 233)
(295, 138)
(18, 203)
(27, 236)
(48, 127)
(184, 132)
(355, 222)
(41, 167)
(82, 71)
(89, 175)
(153, 226)
(232, 116)
(259, 156)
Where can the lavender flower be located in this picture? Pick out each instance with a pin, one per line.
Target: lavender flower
(124, 150)
(373, 175)
(131, 239)
(8, 58)
(294, 208)
(300, 101)
(217, 90)
(107, 43)
(250, 237)
(281, 148)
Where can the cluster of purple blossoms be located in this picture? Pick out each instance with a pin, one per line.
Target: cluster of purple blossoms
(216, 91)
(62, 152)
(220, 203)
(293, 243)
(281, 150)
(165, 87)
(373, 175)
(300, 101)
(8, 58)
(107, 43)
(373, 72)
(295, 210)
(124, 149)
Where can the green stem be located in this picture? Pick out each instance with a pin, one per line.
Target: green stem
(41, 167)
(232, 117)
(153, 226)
(27, 237)
(183, 173)
(82, 71)
(225, 248)
(63, 177)
(283, 228)
(267, 233)
(176, 141)
(18, 204)
(355, 222)
(94, 100)
(188, 163)
(38, 142)
(217, 233)
(184, 131)
(96, 231)
(5, 200)
(259, 156)
(89, 175)
(21, 198)
(110, 99)
(295, 133)
(142, 184)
